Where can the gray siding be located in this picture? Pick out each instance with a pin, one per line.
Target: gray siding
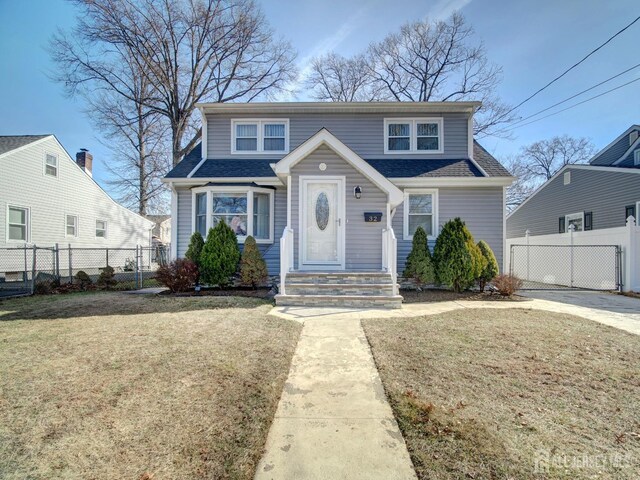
(271, 252)
(479, 208)
(628, 161)
(613, 153)
(24, 184)
(605, 194)
(363, 245)
(363, 133)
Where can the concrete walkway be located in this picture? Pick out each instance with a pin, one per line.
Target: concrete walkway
(333, 420)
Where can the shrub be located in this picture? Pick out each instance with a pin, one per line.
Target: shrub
(491, 270)
(195, 248)
(220, 255)
(107, 278)
(507, 285)
(419, 264)
(478, 262)
(452, 257)
(83, 279)
(253, 269)
(178, 276)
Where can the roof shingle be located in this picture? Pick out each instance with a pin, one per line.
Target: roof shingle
(11, 142)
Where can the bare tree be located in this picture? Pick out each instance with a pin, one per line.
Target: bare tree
(190, 51)
(543, 159)
(338, 79)
(424, 61)
(538, 162)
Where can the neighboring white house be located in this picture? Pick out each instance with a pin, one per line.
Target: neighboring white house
(47, 198)
(162, 228)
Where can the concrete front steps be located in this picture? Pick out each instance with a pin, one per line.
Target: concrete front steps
(339, 289)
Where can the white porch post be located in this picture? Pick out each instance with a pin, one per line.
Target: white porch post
(632, 258)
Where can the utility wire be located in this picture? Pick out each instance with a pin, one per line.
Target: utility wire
(570, 107)
(570, 68)
(574, 96)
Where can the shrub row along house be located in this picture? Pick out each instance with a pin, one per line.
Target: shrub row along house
(333, 192)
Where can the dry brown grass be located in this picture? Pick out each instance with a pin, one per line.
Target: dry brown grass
(483, 393)
(112, 385)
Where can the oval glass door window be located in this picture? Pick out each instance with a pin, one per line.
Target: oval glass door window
(322, 211)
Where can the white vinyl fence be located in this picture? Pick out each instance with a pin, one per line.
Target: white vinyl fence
(579, 259)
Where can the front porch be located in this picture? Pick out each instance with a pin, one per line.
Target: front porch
(339, 247)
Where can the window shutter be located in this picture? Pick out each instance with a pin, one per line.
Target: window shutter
(629, 210)
(588, 221)
(561, 228)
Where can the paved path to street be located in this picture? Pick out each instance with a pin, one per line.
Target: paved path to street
(333, 420)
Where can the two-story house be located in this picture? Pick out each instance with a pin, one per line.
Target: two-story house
(333, 192)
(602, 194)
(48, 198)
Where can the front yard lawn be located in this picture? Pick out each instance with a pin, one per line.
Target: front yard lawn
(115, 385)
(507, 393)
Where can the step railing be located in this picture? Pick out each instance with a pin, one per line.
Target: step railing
(390, 256)
(286, 257)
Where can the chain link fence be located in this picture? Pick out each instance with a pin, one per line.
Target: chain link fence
(550, 267)
(30, 268)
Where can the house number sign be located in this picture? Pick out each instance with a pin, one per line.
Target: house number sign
(372, 217)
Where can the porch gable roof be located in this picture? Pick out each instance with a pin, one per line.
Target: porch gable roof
(326, 138)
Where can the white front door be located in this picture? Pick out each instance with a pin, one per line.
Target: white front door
(322, 223)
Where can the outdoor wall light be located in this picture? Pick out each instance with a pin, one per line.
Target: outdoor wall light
(357, 192)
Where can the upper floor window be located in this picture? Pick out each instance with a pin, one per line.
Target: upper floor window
(413, 135)
(18, 224)
(260, 136)
(575, 219)
(51, 165)
(636, 158)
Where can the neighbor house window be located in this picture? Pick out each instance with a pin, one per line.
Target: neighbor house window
(260, 136)
(71, 225)
(413, 135)
(575, 219)
(420, 210)
(246, 210)
(201, 214)
(18, 224)
(636, 158)
(51, 165)
(101, 229)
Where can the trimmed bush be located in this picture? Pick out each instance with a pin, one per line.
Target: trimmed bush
(195, 248)
(107, 278)
(507, 285)
(478, 262)
(253, 269)
(419, 264)
(179, 276)
(220, 256)
(453, 260)
(491, 270)
(83, 279)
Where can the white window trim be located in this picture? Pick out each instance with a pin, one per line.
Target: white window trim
(259, 122)
(413, 123)
(106, 229)
(572, 216)
(28, 225)
(405, 209)
(248, 191)
(77, 229)
(44, 165)
(636, 158)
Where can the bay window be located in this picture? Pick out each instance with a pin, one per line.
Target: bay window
(413, 135)
(420, 210)
(246, 210)
(260, 136)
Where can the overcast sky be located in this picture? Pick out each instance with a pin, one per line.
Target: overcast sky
(532, 41)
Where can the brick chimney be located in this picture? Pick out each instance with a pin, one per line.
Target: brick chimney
(85, 160)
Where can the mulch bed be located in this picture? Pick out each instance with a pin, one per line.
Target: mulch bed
(226, 292)
(437, 295)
